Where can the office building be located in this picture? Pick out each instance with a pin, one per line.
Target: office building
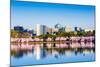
(41, 29)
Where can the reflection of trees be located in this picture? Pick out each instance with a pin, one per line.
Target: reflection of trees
(19, 53)
(45, 50)
(76, 51)
(43, 54)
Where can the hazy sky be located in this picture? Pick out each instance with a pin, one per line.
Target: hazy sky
(28, 14)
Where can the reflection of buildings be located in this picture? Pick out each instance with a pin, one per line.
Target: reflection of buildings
(39, 52)
(41, 29)
(55, 53)
(69, 53)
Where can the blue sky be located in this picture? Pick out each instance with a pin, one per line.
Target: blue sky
(28, 14)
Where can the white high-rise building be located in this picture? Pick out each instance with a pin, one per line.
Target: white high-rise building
(40, 29)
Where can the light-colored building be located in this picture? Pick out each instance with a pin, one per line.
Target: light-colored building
(55, 29)
(52, 30)
(87, 29)
(49, 30)
(68, 29)
(41, 29)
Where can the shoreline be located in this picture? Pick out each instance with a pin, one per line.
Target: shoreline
(56, 40)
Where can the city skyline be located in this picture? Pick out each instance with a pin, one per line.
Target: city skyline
(50, 14)
(43, 29)
(30, 28)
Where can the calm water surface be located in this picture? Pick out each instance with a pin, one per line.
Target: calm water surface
(34, 54)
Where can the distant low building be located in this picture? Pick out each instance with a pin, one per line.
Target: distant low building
(78, 29)
(55, 30)
(19, 28)
(49, 30)
(86, 30)
(68, 29)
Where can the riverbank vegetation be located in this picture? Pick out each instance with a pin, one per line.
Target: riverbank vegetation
(18, 34)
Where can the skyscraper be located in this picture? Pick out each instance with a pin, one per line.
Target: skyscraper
(40, 29)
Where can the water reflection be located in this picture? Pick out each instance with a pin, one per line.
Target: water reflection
(49, 50)
(41, 50)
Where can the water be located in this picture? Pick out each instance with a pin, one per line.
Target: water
(34, 54)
